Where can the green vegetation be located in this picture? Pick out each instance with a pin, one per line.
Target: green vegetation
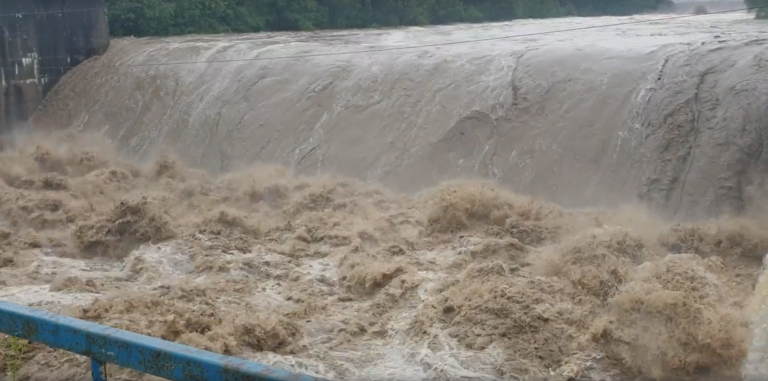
(761, 13)
(13, 352)
(174, 17)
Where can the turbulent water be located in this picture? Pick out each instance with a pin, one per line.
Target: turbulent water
(157, 211)
(670, 111)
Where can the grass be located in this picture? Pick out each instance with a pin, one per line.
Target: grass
(13, 351)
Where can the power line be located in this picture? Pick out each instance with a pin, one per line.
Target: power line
(19, 14)
(410, 47)
(395, 48)
(62, 11)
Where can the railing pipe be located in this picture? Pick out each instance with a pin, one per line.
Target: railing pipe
(144, 354)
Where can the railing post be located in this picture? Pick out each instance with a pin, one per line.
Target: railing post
(98, 370)
(141, 353)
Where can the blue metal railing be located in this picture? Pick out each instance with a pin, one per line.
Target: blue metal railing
(130, 350)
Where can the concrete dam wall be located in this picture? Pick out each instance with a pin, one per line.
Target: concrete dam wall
(41, 40)
(669, 112)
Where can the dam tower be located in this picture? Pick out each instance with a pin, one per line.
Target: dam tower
(40, 41)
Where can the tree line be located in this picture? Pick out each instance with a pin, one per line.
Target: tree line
(175, 17)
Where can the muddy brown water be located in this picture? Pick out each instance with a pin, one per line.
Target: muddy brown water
(669, 112)
(348, 279)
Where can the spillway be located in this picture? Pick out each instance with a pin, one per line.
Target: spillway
(670, 112)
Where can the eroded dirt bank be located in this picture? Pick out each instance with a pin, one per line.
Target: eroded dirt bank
(671, 111)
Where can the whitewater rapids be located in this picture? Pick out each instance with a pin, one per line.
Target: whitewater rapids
(390, 268)
(671, 112)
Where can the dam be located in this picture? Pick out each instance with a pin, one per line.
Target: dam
(559, 199)
(592, 117)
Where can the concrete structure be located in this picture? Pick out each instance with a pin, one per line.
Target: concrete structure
(41, 40)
